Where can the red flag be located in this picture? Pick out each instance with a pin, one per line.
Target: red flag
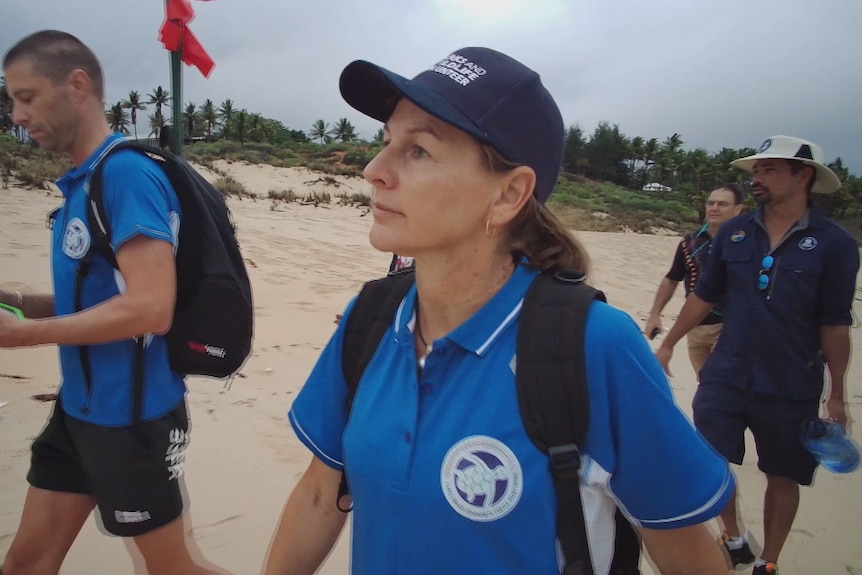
(176, 36)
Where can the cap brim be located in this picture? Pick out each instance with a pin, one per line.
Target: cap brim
(826, 181)
(375, 91)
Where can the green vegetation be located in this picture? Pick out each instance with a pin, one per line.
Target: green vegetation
(28, 165)
(600, 187)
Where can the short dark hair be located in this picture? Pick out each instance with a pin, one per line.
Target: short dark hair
(55, 55)
(797, 166)
(736, 190)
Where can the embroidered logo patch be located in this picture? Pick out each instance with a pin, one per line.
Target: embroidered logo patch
(807, 243)
(76, 239)
(737, 236)
(764, 146)
(481, 478)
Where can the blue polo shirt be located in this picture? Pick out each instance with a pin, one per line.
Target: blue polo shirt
(770, 342)
(443, 476)
(139, 200)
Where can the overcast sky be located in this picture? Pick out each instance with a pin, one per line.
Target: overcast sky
(720, 73)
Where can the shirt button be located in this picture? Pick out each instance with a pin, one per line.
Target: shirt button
(406, 437)
(427, 389)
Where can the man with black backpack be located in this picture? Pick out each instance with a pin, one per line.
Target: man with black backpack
(119, 430)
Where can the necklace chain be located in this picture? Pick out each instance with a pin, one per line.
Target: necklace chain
(428, 346)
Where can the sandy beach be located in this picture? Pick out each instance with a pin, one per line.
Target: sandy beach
(305, 262)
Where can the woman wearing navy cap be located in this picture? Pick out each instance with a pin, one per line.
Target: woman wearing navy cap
(472, 149)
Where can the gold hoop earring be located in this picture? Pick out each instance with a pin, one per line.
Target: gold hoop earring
(489, 231)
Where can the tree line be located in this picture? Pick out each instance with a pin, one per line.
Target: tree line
(607, 154)
(664, 167)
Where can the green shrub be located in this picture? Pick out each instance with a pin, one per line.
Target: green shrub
(230, 187)
(282, 195)
(317, 198)
(354, 199)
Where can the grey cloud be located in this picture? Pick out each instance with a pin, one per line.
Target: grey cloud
(719, 73)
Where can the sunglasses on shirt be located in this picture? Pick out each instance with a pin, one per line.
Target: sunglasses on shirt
(763, 276)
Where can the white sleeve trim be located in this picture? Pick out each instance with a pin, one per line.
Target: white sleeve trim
(304, 437)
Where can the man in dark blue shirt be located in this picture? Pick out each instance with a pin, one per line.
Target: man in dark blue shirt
(688, 263)
(789, 275)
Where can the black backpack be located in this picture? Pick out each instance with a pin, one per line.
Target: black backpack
(213, 323)
(551, 382)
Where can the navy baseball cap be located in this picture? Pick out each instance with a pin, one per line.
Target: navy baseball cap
(489, 95)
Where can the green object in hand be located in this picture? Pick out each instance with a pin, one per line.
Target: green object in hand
(13, 310)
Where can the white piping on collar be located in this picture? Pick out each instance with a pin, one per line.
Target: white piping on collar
(111, 145)
(503, 325)
(398, 316)
(411, 324)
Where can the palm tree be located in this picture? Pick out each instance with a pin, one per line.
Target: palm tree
(157, 122)
(649, 155)
(191, 117)
(378, 137)
(258, 128)
(134, 104)
(344, 130)
(226, 110)
(321, 131)
(160, 97)
(697, 167)
(210, 117)
(636, 149)
(239, 125)
(117, 118)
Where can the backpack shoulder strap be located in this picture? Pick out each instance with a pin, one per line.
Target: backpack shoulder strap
(100, 231)
(369, 319)
(98, 223)
(551, 380)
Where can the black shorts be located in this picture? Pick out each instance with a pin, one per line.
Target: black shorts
(722, 412)
(134, 473)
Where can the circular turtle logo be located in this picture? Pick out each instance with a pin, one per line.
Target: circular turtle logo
(481, 478)
(807, 243)
(76, 239)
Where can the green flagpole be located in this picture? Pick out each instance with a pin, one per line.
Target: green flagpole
(177, 98)
(177, 108)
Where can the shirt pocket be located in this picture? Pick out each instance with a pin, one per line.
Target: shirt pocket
(798, 278)
(738, 263)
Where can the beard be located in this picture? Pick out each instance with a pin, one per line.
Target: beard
(763, 197)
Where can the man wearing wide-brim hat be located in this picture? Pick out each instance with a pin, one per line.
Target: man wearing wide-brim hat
(789, 275)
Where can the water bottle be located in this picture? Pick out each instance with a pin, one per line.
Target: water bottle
(827, 441)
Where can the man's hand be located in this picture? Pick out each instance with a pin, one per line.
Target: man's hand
(653, 323)
(836, 410)
(663, 354)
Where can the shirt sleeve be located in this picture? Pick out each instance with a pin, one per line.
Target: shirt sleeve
(319, 413)
(677, 268)
(837, 286)
(139, 199)
(663, 474)
(712, 283)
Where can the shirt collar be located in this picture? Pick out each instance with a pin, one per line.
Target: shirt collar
(478, 333)
(702, 231)
(88, 165)
(813, 217)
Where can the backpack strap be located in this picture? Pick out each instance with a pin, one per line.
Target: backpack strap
(551, 379)
(100, 243)
(370, 317)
